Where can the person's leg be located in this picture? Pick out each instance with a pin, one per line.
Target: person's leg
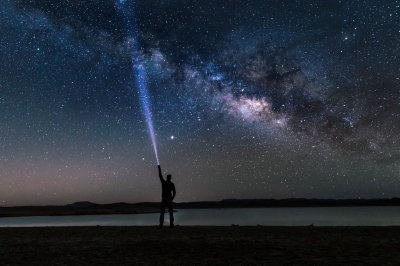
(163, 206)
(171, 213)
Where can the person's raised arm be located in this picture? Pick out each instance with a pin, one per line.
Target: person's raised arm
(160, 174)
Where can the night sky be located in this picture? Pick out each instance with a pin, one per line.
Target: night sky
(249, 99)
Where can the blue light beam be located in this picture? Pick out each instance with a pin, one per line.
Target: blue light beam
(138, 68)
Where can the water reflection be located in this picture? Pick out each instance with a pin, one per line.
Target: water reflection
(319, 216)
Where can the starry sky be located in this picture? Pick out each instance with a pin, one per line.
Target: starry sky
(248, 99)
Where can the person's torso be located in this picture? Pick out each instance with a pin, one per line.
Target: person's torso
(167, 188)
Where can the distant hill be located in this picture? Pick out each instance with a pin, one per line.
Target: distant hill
(81, 204)
(89, 208)
(291, 202)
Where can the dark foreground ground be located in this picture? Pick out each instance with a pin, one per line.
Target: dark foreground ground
(200, 246)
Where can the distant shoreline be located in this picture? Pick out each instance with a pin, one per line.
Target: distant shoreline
(89, 208)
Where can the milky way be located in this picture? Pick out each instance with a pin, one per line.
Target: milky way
(250, 99)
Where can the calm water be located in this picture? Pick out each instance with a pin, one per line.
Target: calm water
(334, 216)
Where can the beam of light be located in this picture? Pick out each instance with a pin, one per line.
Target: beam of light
(138, 68)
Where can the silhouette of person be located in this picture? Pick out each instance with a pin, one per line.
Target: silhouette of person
(168, 195)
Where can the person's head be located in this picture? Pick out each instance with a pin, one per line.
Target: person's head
(169, 177)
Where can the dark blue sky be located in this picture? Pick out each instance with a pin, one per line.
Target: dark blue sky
(249, 99)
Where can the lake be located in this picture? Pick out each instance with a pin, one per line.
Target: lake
(319, 216)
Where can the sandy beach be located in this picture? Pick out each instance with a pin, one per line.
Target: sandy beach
(191, 245)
